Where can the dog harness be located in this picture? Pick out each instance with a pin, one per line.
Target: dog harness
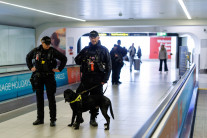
(77, 99)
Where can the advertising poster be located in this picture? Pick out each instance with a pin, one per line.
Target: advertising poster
(73, 74)
(155, 43)
(58, 40)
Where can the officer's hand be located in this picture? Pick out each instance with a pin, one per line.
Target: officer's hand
(102, 83)
(33, 69)
(55, 70)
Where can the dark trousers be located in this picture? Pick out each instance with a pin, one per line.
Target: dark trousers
(86, 85)
(165, 64)
(50, 84)
(116, 70)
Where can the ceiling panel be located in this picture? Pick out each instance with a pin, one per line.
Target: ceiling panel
(99, 10)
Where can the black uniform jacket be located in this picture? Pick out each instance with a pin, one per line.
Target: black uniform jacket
(56, 55)
(104, 60)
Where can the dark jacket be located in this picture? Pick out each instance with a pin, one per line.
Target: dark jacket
(121, 52)
(101, 60)
(130, 51)
(139, 53)
(49, 56)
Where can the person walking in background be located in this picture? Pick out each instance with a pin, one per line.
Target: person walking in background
(132, 52)
(163, 57)
(139, 53)
(117, 53)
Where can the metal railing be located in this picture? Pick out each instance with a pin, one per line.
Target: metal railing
(152, 123)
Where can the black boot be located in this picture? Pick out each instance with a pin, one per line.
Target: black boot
(52, 123)
(38, 122)
(93, 122)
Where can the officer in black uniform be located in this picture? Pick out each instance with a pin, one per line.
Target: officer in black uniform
(95, 64)
(117, 53)
(42, 62)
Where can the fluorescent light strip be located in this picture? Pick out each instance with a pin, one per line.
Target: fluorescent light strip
(41, 11)
(184, 9)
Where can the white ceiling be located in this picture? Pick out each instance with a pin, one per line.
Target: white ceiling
(99, 10)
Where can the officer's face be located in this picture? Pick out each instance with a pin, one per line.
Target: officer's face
(45, 47)
(94, 40)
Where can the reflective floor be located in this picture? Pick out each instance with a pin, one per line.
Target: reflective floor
(200, 126)
(133, 102)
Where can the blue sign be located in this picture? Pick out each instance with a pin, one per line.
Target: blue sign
(18, 85)
(61, 77)
(23, 84)
(14, 86)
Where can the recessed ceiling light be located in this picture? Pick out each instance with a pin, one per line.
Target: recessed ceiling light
(184, 9)
(41, 11)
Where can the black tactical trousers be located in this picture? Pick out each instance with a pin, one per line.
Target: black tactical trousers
(116, 70)
(47, 80)
(85, 85)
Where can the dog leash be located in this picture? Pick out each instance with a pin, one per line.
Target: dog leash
(93, 88)
(90, 89)
(79, 97)
(106, 88)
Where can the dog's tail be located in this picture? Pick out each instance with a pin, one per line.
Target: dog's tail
(111, 110)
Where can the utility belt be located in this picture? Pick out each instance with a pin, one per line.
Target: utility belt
(92, 77)
(39, 73)
(35, 78)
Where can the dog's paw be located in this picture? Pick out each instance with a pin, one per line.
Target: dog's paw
(106, 128)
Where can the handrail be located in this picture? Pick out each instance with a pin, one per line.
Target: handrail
(151, 124)
(13, 65)
(21, 71)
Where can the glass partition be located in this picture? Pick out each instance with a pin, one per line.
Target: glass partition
(15, 43)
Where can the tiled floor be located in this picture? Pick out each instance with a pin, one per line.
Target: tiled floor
(133, 102)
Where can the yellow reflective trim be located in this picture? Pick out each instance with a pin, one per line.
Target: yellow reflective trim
(43, 62)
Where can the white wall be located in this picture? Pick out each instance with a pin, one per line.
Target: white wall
(196, 32)
(126, 41)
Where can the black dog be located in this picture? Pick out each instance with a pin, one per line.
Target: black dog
(79, 105)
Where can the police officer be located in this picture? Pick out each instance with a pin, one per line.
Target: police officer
(95, 64)
(42, 62)
(117, 53)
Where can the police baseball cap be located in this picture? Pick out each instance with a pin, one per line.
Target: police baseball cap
(46, 40)
(93, 34)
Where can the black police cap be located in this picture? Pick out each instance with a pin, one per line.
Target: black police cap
(93, 34)
(46, 40)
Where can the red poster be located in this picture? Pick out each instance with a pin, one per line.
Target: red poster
(73, 74)
(155, 43)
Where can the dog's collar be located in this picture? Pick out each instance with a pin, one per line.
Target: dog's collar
(77, 99)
